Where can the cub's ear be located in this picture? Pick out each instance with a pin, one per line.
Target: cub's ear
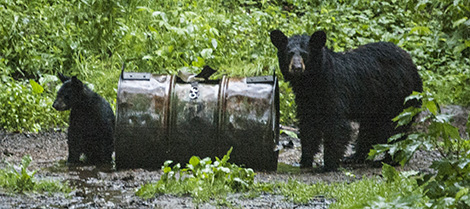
(317, 40)
(278, 39)
(76, 84)
(62, 77)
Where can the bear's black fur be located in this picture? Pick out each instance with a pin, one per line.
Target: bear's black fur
(368, 85)
(91, 128)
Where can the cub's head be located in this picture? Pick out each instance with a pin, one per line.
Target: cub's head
(69, 93)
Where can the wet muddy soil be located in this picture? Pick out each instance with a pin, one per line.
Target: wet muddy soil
(108, 188)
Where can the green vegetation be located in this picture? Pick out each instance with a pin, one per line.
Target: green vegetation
(202, 179)
(23, 180)
(26, 105)
(449, 186)
(207, 181)
(92, 39)
(366, 193)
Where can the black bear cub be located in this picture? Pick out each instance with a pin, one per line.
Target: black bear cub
(91, 127)
(367, 85)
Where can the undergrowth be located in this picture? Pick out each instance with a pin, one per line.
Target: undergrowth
(18, 179)
(91, 39)
(202, 179)
(449, 185)
(207, 181)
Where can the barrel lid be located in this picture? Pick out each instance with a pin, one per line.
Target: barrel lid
(136, 76)
(260, 79)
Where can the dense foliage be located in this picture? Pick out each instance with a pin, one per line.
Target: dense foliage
(20, 180)
(91, 39)
(449, 185)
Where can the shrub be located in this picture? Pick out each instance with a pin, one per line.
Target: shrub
(449, 185)
(43, 37)
(27, 106)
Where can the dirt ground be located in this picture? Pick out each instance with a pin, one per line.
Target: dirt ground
(115, 189)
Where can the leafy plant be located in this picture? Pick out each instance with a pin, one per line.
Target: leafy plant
(202, 179)
(42, 37)
(287, 106)
(410, 196)
(449, 186)
(205, 180)
(27, 106)
(23, 180)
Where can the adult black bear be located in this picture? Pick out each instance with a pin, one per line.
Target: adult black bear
(368, 85)
(91, 128)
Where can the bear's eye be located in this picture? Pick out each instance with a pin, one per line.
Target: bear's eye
(291, 54)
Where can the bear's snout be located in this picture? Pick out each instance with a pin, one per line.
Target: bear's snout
(59, 105)
(297, 64)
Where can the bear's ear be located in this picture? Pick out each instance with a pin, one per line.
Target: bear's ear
(278, 39)
(76, 84)
(318, 40)
(62, 77)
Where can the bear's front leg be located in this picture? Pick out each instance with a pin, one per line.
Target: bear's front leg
(74, 149)
(310, 139)
(337, 135)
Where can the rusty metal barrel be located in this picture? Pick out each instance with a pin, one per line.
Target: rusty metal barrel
(161, 117)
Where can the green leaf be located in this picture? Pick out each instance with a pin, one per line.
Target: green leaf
(413, 96)
(37, 89)
(200, 62)
(465, 198)
(152, 29)
(389, 173)
(194, 161)
(226, 156)
(459, 22)
(459, 48)
(166, 169)
(462, 192)
(432, 107)
(167, 163)
(147, 57)
(214, 43)
(290, 133)
(207, 53)
(421, 30)
(444, 167)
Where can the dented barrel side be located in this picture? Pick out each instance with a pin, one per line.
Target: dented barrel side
(250, 122)
(193, 121)
(142, 120)
(161, 119)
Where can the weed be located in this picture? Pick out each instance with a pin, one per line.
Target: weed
(23, 180)
(202, 179)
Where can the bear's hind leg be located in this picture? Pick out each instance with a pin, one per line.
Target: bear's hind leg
(372, 131)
